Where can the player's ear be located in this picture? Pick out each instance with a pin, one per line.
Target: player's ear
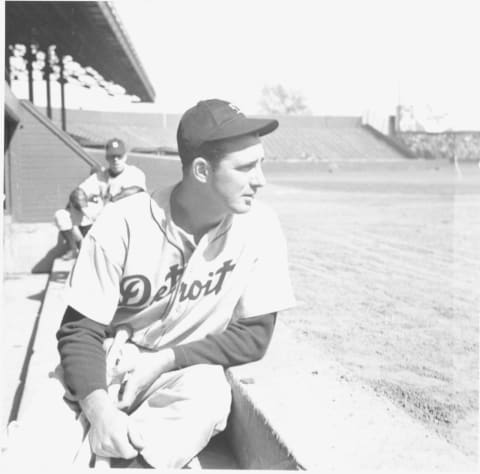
(200, 169)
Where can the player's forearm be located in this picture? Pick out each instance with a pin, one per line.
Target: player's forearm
(95, 403)
(125, 192)
(80, 344)
(243, 341)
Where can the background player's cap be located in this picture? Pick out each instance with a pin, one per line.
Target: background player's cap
(212, 120)
(115, 147)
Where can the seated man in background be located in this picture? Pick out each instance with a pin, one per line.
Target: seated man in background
(86, 201)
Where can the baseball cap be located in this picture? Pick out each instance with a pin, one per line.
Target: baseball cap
(115, 147)
(213, 120)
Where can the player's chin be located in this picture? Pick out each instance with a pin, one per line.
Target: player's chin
(243, 205)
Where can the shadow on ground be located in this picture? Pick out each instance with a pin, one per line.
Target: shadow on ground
(37, 296)
(44, 265)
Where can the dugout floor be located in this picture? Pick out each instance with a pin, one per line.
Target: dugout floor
(22, 296)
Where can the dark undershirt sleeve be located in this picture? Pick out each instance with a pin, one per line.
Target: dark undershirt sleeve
(80, 343)
(243, 341)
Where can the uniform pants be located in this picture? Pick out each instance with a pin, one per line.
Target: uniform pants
(182, 411)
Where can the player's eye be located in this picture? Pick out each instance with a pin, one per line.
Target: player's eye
(247, 167)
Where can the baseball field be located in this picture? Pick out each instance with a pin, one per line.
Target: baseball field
(385, 262)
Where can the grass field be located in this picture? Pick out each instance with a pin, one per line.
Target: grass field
(385, 263)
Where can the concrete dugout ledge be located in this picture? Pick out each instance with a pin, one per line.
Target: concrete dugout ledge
(323, 422)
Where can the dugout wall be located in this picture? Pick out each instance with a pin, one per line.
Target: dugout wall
(45, 164)
(42, 165)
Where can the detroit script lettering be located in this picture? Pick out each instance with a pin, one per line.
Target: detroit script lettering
(136, 290)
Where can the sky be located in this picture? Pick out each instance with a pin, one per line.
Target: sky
(343, 56)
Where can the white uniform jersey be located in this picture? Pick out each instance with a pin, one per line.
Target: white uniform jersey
(101, 187)
(104, 186)
(137, 267)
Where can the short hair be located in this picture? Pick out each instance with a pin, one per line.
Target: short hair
(212, 151)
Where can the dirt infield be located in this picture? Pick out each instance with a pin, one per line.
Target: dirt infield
(385, 263)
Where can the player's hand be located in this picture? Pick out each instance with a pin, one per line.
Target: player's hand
(149, 366)
(112, 432)
(95, 198)
(121, 358)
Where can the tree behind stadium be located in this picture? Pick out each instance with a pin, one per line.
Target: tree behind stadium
(276, 100)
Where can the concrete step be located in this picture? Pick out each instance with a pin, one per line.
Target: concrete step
(22, 297)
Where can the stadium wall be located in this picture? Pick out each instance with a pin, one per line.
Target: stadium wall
(465, 146)
(44, 165)
(391, 140)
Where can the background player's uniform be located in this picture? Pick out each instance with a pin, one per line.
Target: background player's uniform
(101, 188)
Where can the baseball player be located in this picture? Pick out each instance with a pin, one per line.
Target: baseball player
(86, 202)
(197, 272)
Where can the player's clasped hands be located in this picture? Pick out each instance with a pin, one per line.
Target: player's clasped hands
(131, 372)
(121, 359)
(148, 367)
(115, 434)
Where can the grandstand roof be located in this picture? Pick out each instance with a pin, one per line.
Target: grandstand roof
(89, 31)
(12, 105)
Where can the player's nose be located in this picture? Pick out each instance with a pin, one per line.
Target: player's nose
(258, 179)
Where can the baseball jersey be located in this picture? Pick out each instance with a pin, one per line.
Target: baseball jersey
(104, 186)
(100, 187)
(137, 267)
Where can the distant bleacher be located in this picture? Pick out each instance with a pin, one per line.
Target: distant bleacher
(298, 137)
